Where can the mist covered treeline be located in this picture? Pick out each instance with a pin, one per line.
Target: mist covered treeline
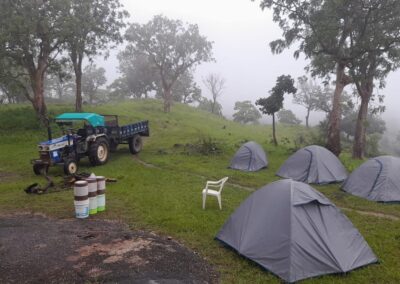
(44, 44)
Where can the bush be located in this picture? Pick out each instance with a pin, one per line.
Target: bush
(306, 138)
(23, 118)
(372, 147)
(204, 146)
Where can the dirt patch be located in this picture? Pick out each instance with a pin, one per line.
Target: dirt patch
(6, 177)
(374, 214)
(157, 167)
(38, 249)
(148, 165)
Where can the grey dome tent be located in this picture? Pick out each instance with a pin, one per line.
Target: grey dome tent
(377, 179)
(313, 164)
(250, 157)
(295, 232)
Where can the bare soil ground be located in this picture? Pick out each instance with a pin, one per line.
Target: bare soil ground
(38, 249)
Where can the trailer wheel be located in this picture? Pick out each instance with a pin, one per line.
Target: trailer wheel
(70, 167)
(135, 144)
(40, 169)
(98, 152)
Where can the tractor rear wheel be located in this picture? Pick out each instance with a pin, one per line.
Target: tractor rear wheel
(99, 152)
(70, 167)
(135, 144)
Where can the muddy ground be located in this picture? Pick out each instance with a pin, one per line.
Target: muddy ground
(38, 249)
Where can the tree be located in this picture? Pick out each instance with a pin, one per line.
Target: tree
(208, 105)
(185, 90)
(59, 83)
(139, 76)
(31, 36)
(273, 103)
(246, 112)
(11, 93)
(12, 89)
(358, 36)
(375, 30)
(323, 102)
(171, 47)
(92, 79)
(91, 26)
(374, 123)
(323, 29)
(307, 94)
(215, 85)
(288, 117)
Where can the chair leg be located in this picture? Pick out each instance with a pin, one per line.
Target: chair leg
(219, 202)
(204, 201)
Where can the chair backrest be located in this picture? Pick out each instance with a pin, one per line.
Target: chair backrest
(219, 184)
(222, 181)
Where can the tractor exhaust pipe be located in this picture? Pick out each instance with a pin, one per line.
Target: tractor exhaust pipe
(49, 133)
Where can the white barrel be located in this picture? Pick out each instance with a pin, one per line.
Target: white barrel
(92, 205)
(81, 199)
(101, 183)
(92, 186)
(101, 202)
(81, 189)
(81, 208)
(101, 193)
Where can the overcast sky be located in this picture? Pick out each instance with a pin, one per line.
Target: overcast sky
(241, 32)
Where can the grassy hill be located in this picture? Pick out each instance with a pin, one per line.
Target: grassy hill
(160, 190)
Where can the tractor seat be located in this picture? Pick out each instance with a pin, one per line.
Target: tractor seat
(81, 132)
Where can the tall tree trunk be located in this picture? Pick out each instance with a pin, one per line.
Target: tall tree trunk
(167, 99)
(37, 87)
(333, 139)
(91, 97)
(359, 144)
(273, 130)
(213, 105)
(77, 59)
(307, 117)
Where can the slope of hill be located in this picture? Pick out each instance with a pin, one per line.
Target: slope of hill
(160, 189)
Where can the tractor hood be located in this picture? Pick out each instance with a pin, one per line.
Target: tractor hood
(56, 143)
(92, 118)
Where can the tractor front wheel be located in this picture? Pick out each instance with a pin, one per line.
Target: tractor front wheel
(70, 167)
(98, 152)
(135, 144)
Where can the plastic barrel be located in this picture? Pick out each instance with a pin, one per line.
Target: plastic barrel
(101, 193)
(92, 186)
(81, 199)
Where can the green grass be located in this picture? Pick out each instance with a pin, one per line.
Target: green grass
(166, 198)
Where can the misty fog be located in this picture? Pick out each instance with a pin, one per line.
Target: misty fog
(241, 33)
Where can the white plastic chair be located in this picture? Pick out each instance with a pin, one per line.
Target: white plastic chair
(218, 185)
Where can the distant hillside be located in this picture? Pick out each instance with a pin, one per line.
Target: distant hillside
(184, 122)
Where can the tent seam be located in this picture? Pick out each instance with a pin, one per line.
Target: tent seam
(309, 165)
(251, 157)
(377, 176)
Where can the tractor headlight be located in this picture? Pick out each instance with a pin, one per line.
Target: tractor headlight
(43, 148)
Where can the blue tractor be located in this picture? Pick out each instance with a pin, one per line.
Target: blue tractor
(99, 135)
